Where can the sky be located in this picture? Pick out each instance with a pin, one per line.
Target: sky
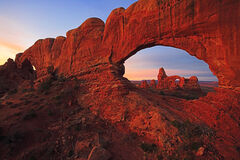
(145, 64)
(22, 22)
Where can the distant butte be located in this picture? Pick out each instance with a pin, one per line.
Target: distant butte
(93, 56)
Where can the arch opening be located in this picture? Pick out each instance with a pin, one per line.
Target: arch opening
(29, 69)
(180, 71)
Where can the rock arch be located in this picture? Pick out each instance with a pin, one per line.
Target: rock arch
(206, 29)
(199, 27)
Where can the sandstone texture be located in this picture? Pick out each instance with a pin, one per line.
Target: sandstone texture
(144, 84)
(91, 60)
(206, 29)
(153, 83)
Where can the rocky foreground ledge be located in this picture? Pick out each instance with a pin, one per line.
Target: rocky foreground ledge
(78, 85)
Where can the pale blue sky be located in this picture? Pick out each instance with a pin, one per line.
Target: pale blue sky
(22, 22)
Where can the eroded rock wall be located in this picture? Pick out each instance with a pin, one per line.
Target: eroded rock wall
(206, 29)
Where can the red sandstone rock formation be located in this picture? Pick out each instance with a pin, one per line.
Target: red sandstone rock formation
(144, 84)
(170, 82)
(162, 74)
(153, 83)
(11, 76)
(205, 29)
(95, 53)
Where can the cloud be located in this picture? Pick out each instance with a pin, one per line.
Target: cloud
(8, 50)
(11, 45)
(141, 74)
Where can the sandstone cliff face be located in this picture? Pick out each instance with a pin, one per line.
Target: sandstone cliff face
(95, 53)
(205, 29)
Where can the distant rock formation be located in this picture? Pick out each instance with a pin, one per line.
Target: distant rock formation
(153, 83)
(172, 82)
(96, 51)
(176, 82)
(144, 84)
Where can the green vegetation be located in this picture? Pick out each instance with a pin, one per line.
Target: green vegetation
(61, 78)
(14, 106)
(149, 148)
(187, 129)
(238, 148)
(27, 90)
(160, 157)
(32, 158)
(50, 69)
(77, 127)
(194, 146)
(9, 103)
(30, 115)
(26, 102)
(16, 137)
(162, 93)
(70, 153)
(13, 91)
(50, 113)
(45, 85)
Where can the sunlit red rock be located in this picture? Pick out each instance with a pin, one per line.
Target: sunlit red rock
(177, 82)
(152, 84)
(195, 26)
(144, 84)
(93, 55)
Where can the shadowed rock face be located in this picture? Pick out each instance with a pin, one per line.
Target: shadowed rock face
(11, 76)
(206, 29)
(95, 53)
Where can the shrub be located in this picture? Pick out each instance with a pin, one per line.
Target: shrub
(162, 93)
(238, 148)
(77, 127)
(188, 129)
(9, 103)
(62, 78)
(45, 85)
(160, 157)
(70, 153)
(13, 91)
(14, 106)
(50, 69)
(27, 90)
(194, 146)
(30, 115)
(50, 113)
(33, 158)
(16, 137)
(26, 102)
(150, 148)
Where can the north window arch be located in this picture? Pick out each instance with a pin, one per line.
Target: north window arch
(144, 65)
